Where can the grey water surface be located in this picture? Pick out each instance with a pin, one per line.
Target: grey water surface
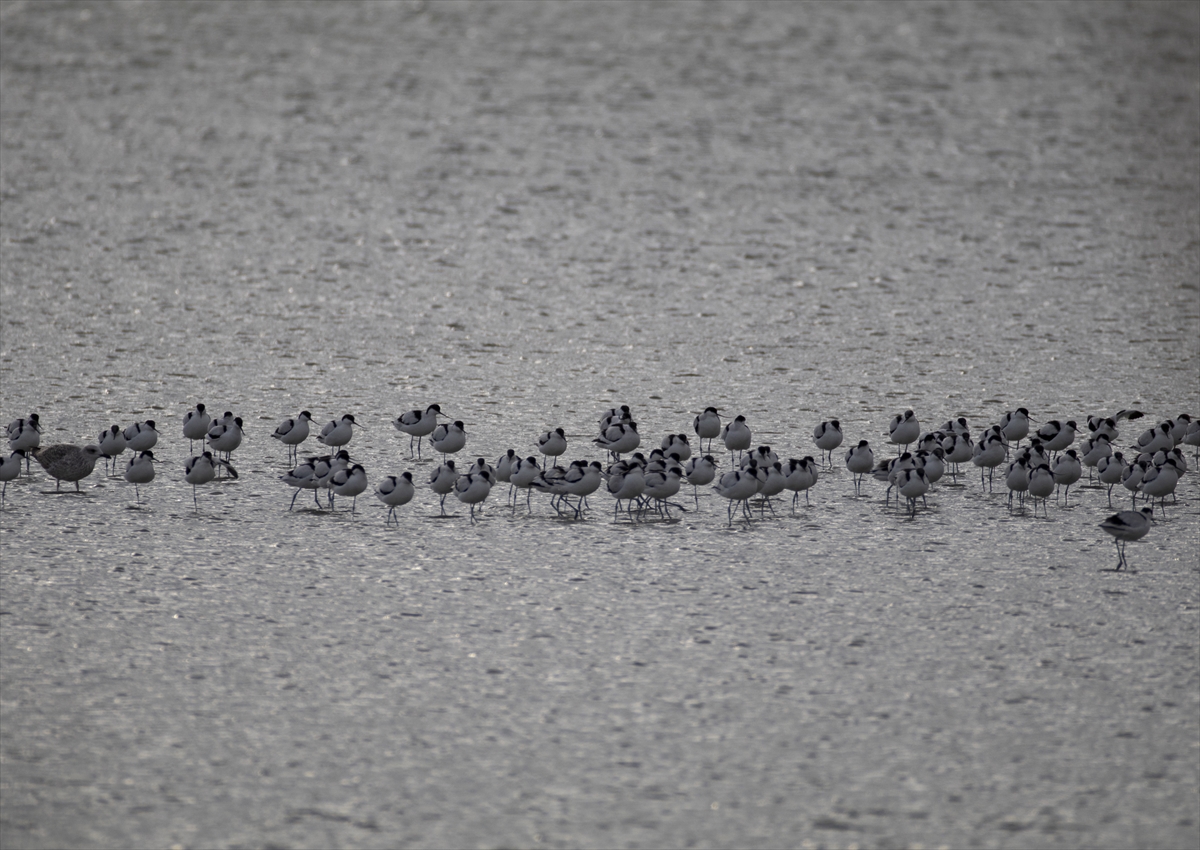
(529, 213)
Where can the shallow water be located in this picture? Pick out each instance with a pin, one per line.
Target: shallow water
(530, 213)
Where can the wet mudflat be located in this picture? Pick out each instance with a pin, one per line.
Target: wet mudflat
(529, 214)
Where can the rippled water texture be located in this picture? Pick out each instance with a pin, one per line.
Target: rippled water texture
(529, 213)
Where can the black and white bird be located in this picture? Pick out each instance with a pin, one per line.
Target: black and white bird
(417, 424)
(904, 429)
(828, 436)
(202, 468)
(293, 432)
(195, 424)
(1125, 526)
(140, 470)
(394, 491)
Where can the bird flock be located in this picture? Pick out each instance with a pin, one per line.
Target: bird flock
(643, 485)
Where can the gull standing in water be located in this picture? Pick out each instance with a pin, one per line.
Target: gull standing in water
(65, 462)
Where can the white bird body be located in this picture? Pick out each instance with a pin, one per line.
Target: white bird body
(1191, 436)
(736, 435)
(661, 486)
(448, 438)
(225, 436)
(394, 491)
(860, 460)
(700, 470)
(25, 434)
(1094, 448)
(1041, 485)
(988, 453)
(1015, 425)
(740, 485)
(614, 415)
(1179, 428)
(1057, 435)
(302, 477)
(1067, 470)
(195, 423)
(337, 432)
(523, 471)
(707, 426)
(801, 475)
(619, 438)
(418, 424)
(350, 481)
(764, 456)
(1017, 480)
(1125, 526)
(504, 465)
(112, 442)
(828, 436)
(10, 469)
(583, 479)
(140, 470)
(553, 443)
(958, 448)
(933, 464)
(904, 428)
(473, 489)
(202, 468)
(957, 426)
(678, 445)
(141, 436)
(442, 481)
(1158, 482)
(293, 432)
(912, 485)
(1156, 438)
